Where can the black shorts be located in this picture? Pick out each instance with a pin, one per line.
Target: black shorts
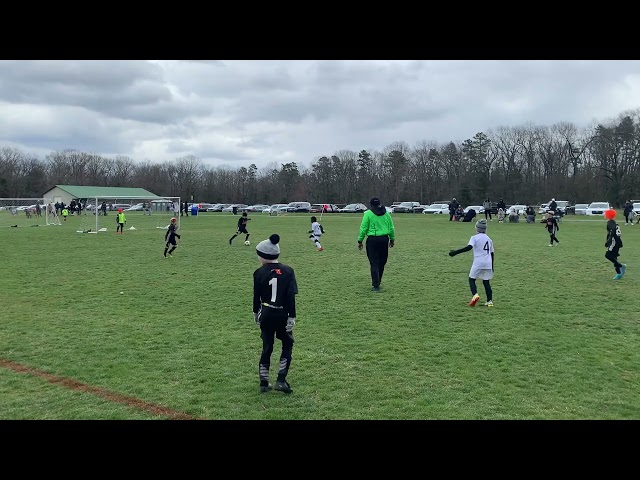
(172, 241)
(615, 253)
(241, 230)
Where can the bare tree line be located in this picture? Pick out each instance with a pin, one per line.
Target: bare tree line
(522, 164)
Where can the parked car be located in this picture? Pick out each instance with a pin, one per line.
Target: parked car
(239, 207)
(256, 208)
(597, 208)
(217, 207)
(116, 206)
(299, 207)
(354, 208)
(275, 207)
(138, 207)
(437, 208)
(408, 207)
(204, 207)
(636, 208)
(518, 208)
(478, 208)
(580, 209)
(561, 206)
(320, 207)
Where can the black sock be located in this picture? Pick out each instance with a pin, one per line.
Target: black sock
(172, 249)
(231, 239)
(247, 237)
(472, 285)
(165, 251)
(487, 289)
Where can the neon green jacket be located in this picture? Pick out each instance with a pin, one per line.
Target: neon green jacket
(376, 224)
(120, 218)
(65, 212)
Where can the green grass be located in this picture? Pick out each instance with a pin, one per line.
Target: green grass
(560, 343)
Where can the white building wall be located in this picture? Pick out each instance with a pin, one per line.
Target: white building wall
(56, 194)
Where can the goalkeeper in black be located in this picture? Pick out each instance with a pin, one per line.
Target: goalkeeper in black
(274, 311)
(614, 244)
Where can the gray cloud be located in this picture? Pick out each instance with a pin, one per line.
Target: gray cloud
(242, 112)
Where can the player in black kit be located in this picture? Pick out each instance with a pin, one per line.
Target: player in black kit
(242, 227)
(614, 244)
(274, 310)
(170, 237)
(552, 227)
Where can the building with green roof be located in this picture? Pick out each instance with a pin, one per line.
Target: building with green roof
(66, 193)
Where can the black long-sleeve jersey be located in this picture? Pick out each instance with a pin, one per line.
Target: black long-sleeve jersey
(551, 224)
(275, 284)
(171, 233)
(614, 235)
(242, 222)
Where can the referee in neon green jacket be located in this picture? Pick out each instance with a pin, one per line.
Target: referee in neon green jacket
(378, 227)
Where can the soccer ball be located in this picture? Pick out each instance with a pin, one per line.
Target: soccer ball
(247, 243)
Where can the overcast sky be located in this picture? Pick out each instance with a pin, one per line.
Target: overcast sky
(241, 112)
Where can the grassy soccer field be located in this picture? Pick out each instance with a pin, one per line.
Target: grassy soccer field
(560, 343)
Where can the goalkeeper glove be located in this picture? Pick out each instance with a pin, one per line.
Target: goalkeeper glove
(291, 321)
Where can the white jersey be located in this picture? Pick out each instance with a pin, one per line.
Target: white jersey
(482, 250)
(317, 231)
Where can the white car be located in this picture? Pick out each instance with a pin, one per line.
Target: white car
(138, 207)
(581, 208)
(282, 207)
(636, 208)
(598, 208)
(478, 208)
(437, 208)
(520, 209)
(543, 208)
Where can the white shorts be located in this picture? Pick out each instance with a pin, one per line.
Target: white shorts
(315, 237)
(481, 273)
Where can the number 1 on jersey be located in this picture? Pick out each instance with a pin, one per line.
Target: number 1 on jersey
(274, 288)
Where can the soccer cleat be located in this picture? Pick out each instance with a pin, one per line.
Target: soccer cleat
(375, 289)
(489, 303)
(623, 268)
(474, 300)
(551, 244)
(283, 387)
(229, 241)
(265, 388)
(618, 276)
(320, 249)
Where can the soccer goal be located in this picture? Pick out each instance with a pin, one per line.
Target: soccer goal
(100, 213)
(27, 212)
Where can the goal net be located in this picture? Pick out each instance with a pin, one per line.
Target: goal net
(100, 214)
(27, 212)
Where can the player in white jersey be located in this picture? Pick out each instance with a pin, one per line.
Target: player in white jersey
(482, 267)
(316, 232)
